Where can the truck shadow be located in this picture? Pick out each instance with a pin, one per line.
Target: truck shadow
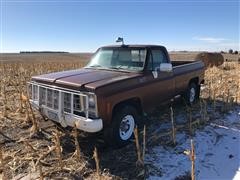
(122, 162)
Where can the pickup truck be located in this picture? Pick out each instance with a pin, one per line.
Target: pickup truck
(113, 91)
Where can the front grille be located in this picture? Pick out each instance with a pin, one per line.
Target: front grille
(42, 95)
(55, 99)
(60, 100)
(79, 103)
(67, 102)
(76, 103)
(50, 98)
(34, 91)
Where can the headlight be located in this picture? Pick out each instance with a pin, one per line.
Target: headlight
(92, 104)
(29, 91)
(91, 101)
(35, 92)
(32, 92)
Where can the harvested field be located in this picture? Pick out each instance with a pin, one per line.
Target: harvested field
(44, 57)
(36, 148)
(192, 56)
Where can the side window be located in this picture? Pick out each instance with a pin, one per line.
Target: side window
(158, 57)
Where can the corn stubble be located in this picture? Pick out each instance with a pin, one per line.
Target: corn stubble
(31, 154)
(46, 157)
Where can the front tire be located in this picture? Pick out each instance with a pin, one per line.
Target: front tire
(122, 128)
(192, 94)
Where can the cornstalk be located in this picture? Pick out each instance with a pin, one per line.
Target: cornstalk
(201, 110)
(209, 91)
(95, 155)
(5, 100)
(19, 90)
(34, 128)
(205, 110)
(144, 143)
(190, 120)
(40, 171)
(58, 149)
(192, 156)
(227, 100)
(139, 161)
(237, 92)
(75, 134)
(2, 163)
(173, 127)
(214, 102)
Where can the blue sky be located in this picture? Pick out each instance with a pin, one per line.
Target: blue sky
(83, 26)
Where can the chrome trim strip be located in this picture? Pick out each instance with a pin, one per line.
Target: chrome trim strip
(190, 63)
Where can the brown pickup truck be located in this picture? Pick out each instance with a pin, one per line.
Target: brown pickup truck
(119, 84)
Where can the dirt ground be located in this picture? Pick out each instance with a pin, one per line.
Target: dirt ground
(51, 151)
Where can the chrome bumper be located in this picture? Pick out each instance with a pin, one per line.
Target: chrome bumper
(82, 123)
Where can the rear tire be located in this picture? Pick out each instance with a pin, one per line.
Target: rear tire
(122, 127)
(192, 94)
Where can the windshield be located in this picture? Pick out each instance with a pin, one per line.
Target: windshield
(130, 59)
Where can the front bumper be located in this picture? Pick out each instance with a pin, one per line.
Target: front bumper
(66, 119)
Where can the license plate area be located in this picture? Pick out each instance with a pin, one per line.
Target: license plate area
(53, 115)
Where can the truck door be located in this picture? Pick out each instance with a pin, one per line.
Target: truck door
(162, 86)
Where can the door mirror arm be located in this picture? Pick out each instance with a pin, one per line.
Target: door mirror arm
(155, 74)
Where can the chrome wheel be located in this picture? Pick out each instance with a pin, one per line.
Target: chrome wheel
(126, 127)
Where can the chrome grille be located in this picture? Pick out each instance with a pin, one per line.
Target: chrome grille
(72, 102)
(79, 104)
(42, 95)
(67, 102)
(29, 90)
(76, 103)
(35, 92)
(49, 98)
(56, 99)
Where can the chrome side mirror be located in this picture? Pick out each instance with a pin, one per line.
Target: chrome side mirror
(166, 67)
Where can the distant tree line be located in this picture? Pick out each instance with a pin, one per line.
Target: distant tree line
(230, 51)
(26, 52)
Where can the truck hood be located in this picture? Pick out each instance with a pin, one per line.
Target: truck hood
(83, 78)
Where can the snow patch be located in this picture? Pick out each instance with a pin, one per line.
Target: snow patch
(217, 150)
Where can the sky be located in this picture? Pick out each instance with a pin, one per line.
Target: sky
(83, 26)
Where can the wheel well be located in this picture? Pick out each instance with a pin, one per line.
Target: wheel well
(135, 102)
(194, 80)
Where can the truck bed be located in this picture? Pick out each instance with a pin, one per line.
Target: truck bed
(184, 71)
(178, 63)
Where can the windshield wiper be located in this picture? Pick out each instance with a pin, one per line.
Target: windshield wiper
(95, 65)
(117, 67)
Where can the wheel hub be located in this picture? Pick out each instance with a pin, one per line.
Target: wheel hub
(126, 127)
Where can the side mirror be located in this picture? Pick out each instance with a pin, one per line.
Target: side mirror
(166, 67)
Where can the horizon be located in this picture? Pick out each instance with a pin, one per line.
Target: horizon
(83, 26)
(92, 52)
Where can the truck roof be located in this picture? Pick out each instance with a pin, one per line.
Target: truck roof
(134, 46)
